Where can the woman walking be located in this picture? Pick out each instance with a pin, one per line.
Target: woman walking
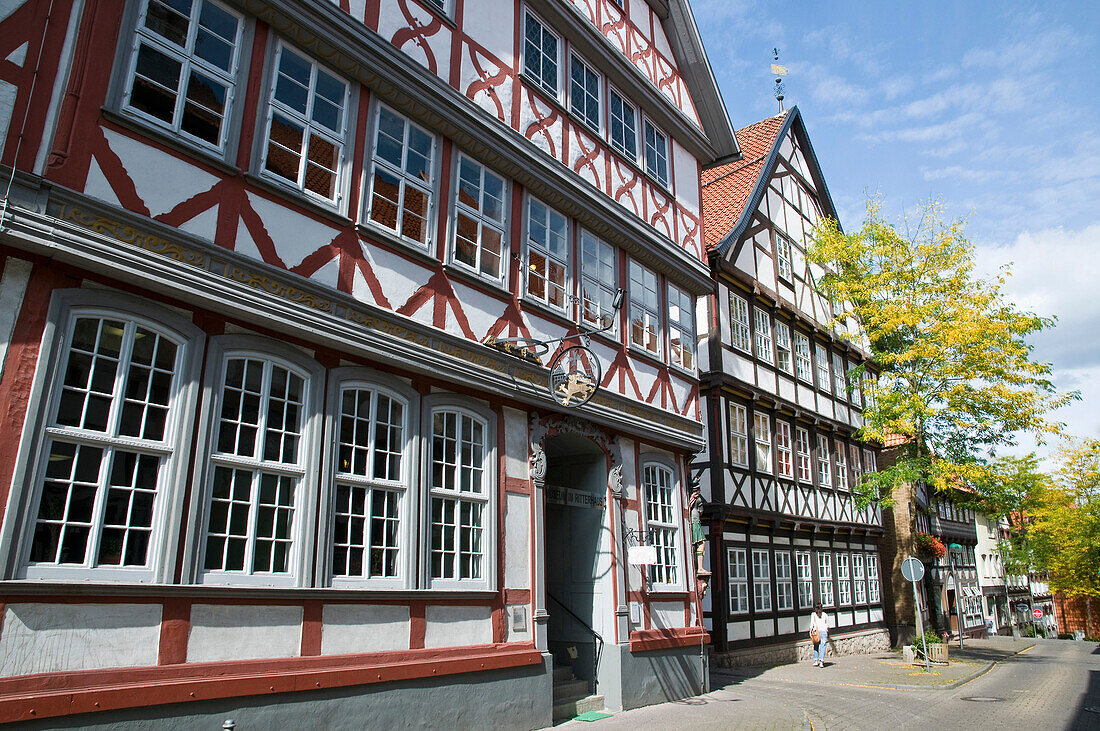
(819, 635)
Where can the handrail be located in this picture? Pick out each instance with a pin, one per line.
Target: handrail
(597, 645)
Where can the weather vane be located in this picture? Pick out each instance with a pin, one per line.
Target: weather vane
(779, 72)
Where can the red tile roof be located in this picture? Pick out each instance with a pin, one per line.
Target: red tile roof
(726, 188)
(894, 440)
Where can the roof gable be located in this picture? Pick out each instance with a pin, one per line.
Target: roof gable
(731, 192)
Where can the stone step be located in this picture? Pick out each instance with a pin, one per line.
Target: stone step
(569, 709)
(566, 690)
(562, 673)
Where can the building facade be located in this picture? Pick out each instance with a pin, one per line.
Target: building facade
(950, 595)
(782, 407)
(271, 445)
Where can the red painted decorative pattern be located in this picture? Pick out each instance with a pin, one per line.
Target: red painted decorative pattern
(418, 34)
(492, 74)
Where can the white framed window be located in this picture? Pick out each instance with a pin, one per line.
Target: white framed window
(622, 125)
(783, 449)
(857, 470)
(824, 469)
(802, 357)
(783, 347)
(783, 257)
(661, 522)
(599, 281)
(584, 92)
(479, 220)
(738, 580)
(869, 464)
(681, 328)
(461, 488)
(802, 451)
(540, 54)
(825, 579)
(857, 385)
(873, 591)
(843, 579)
(763, 333)
(739, 322)
(762, 435)
(645, 322)
(859, 578)
(547, 254)
(183, 67)
(261, 468)
(841, 461)
(822, 358)
(805, 580)
(402, 181)
(306, 126)
(112, 436)
(784, 587)
(371, 469)
(739, 435)
(656, 153)
(840, 383)
(761, 581)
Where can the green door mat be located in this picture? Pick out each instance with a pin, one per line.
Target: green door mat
(591, 716)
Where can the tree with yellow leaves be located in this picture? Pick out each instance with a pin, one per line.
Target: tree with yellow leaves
(1063, 530)
(955, 374)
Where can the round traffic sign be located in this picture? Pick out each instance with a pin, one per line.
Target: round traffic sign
(912, 569)
(1038, 614)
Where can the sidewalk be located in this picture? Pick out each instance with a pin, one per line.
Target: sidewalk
(731, 704)
(885, 669)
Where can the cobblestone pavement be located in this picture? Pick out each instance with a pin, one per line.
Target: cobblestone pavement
(1054, 684)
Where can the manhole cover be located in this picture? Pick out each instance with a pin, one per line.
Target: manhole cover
(982, 699)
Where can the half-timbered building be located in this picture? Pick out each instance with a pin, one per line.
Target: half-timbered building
(782, 406)
(270, 444)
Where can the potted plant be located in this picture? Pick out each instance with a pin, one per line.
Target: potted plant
(928, 545)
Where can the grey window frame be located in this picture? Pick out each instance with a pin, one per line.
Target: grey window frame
(301, 567)
(355, 377)
(430, 187)
(582, 115)
(537, 78)
(22, 509)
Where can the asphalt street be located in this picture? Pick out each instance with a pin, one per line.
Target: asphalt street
(1053, 684)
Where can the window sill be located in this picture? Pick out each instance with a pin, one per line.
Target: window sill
(375, 234)
(13, 590)
(297, 197)
(559, 317)
(166, 138)
(643, 354)
(461, 273)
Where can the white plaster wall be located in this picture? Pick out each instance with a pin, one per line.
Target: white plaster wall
(492, 25)
(516, 446)
(686, 178)
(517, 552)
(844, 619)
(739, 631)
(225, 632)
(391, 19)
(458, 626)
(295, 236)
(51, 638)
(353, 628)
(666, 615)
(763, 628)
(862, 616)
(162, 181)
(480, 309)
(8, 92)
(398, 277)
(13, 285)
(876, 615)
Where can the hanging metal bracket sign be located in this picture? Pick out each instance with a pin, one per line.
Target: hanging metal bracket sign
(576, 371)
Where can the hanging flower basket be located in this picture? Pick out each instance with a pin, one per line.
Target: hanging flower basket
(929, 546)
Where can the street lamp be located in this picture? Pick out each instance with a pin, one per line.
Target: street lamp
(958, 590)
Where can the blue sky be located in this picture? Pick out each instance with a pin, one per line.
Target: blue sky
(992, 108)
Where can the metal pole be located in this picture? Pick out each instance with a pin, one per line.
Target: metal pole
(920, 625)
(958, 600)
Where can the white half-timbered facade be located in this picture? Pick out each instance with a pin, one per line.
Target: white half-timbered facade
(259, 433)
(782, 400)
